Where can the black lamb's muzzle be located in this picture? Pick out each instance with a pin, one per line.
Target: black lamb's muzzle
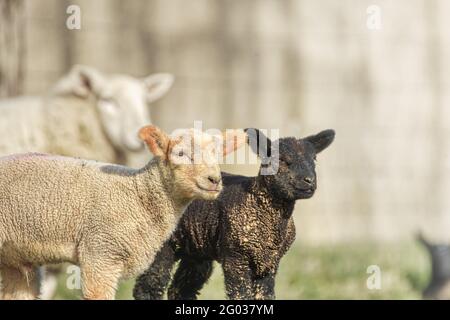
(304, 193)
(305, 187)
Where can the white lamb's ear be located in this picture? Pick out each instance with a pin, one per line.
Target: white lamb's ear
(156, 140)
(157, 85)
(90, 79)
(81, 80)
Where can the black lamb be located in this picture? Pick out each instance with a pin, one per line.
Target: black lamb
(248, 229)
(439, 285)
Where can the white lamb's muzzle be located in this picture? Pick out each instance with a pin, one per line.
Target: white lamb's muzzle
(133, 143)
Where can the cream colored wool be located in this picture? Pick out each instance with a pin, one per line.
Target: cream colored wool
(108, 219)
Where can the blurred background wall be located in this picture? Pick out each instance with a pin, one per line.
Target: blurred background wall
(297, 65)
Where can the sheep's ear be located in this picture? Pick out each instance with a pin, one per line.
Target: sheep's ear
(321, 140)
(259, 143)
(81, 81)
(157, 85)
(233, 140)
(156, 140)
(91, 78)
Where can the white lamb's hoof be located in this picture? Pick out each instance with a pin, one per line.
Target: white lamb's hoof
(48, 287)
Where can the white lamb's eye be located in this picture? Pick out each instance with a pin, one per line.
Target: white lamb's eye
(108, 107)
(107, 99)
(180, 153)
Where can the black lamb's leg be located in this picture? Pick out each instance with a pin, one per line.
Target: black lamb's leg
(238, 279)
(152, 284)
(265, 287)
(439, 286)
(189, 279)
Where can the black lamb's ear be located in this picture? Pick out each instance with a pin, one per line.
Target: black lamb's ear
(321, 140)
(260, 144)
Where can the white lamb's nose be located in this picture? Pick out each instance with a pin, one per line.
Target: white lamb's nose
(215, 180)
(133, 143)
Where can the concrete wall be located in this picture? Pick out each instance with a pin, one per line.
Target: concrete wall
(297, 65)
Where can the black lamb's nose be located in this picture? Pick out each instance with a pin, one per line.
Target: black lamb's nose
(309, 180)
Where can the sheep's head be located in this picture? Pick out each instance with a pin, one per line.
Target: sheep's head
(294, 159)
(192, 158)
(122, 101)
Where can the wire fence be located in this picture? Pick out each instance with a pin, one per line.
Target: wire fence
(297, 65)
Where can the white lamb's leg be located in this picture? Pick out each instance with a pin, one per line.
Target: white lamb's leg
(49, 282)
(17, 285)
(100, 279)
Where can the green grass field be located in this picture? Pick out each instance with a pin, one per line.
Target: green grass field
(337, 272)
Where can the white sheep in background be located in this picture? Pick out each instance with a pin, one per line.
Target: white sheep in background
(110, 220)
(87, 114)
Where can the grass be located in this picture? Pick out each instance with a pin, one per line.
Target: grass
(334, 272)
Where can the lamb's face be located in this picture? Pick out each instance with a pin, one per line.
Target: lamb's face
(122, 101)
(296, 175)
(192, 157)
(123, 111)
(123, 107)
